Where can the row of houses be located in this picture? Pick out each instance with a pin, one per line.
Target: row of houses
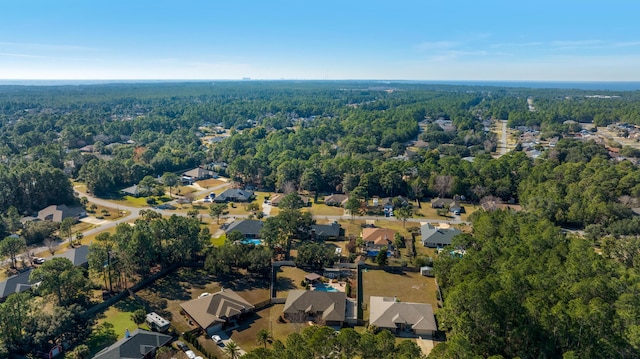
(215, 312)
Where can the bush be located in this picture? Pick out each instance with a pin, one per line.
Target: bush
(151, 201)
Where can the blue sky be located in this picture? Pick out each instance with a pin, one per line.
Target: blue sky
(562, 40)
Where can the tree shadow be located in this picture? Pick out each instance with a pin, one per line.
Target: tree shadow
(246, 322)
(284, 284)
(240, 282)
(127, 305)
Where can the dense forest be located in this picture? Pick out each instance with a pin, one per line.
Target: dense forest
(523, 289)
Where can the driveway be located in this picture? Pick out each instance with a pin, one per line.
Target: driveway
(425, 345)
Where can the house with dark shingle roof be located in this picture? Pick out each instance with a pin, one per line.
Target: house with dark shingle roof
(234, 195)
(213, 312)
(250, 228)
(326, 231)
(326, 308)
(402, 317)
(437, 237)
(15, 284)
(141, 344)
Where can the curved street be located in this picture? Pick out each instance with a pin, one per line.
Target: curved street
(134, 213)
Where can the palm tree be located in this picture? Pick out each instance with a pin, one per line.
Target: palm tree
(232, 349)
(263, 337)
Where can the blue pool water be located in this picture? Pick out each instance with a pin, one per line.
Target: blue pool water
(257, 242)
(372, 253)
(324, 288)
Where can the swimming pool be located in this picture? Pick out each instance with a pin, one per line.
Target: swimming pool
(324, 288)
(373, 253)
(257, 242)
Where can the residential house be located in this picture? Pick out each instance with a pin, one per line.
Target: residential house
(442, 202)
(402, 317)
(131, 191)
(437, 237)
(250, 228)
(56, 213)
(78, 256)
(234, 195)
(197, 174)
(16, 284)
(213, 312)
(326, 308)
(377, 238)
(141, 344)
(326, 231)
(276, 198)
(397, 201)
(337, 200)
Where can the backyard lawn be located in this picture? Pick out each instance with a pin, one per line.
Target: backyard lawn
(288, 278)
(406, 286)
(166, 294)
(120, 316)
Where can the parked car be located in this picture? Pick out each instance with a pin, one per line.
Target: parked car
(216, 338)
(38, 260)
(182, 346)
(190, 354)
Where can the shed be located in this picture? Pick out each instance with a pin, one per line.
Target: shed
(426, 271)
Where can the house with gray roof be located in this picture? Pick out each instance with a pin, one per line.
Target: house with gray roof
(437, 237)
(213, 312)
(234, 195)
(326, 308)
(401, 317)
(197, 174)
(337, 199)
(78, 256)
(16, 284)
(326, 231)
(141, 344)
(132, 191)
(57, 213)
(250, 228)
